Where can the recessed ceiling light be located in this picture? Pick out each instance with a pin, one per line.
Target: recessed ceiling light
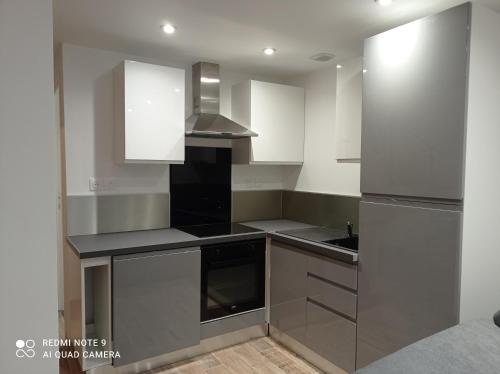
(209, 80)
(384, 2)
(168, 28)
(269, 51)
(339, 66)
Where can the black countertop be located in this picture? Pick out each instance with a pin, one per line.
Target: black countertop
(307, 237)
(294, 233)
(274, 225)
(312, 239)
(124, 243)
(314, 234)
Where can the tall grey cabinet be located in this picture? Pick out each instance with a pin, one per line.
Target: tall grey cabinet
(156, 303)
(414, 107)
(420, 100)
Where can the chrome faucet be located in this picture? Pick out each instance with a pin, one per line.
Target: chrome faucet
(349, 229)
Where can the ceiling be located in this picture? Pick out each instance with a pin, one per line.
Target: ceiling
(234, 32)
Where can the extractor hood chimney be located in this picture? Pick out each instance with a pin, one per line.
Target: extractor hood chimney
(206, 122)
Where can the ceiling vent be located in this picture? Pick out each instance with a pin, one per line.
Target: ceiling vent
(322, 57)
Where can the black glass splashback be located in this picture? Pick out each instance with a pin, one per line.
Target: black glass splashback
(200, 189)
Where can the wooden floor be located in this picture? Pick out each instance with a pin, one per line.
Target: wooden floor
(259, 356)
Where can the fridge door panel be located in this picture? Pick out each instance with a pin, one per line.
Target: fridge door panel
(408, 276)
(414, 108)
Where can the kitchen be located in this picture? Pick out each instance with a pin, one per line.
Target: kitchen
(270, 206)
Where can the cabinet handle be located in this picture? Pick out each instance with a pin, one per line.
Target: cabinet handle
(332, 283)
(328, 309)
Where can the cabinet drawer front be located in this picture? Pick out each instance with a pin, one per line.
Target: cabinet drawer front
(290, 318)
(288, 273)
(334, 271)
(331, 336)
(336, 298)
(156, 304)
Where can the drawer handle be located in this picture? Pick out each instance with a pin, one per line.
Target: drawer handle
(332, 283)
(331, 310)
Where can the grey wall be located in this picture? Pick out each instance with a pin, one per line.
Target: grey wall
(256, 205)
(321, 209)
(28, 190)
(313, 208)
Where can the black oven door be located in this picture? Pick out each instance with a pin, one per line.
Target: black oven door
(233, 278)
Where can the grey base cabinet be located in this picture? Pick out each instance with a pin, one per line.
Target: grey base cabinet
(156, 303)
(408, 280)
(331, 336)
(314, 301)
(288, 291)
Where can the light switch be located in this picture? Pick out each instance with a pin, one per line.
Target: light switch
(93, 184)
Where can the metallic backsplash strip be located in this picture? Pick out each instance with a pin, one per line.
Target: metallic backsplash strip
(321, 209)
(88, 214)
(256, 205)
(81, 214)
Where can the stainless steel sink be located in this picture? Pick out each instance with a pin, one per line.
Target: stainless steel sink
(350, 243)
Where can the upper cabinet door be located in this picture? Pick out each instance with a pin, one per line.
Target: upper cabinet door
(149, 113)
(348, 113)
(414, 105)
(276, 113)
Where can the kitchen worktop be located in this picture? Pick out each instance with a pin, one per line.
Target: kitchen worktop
(311, 239)
(274, 225)
(314, 234)
(122, 243)
(307, 237)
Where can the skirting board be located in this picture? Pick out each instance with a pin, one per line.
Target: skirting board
(233, 323)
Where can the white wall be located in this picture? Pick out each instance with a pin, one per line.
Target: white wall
(321, 172)
(88, 121)
(480, 291)
(28, 187)
(88, 114)
(258, 177)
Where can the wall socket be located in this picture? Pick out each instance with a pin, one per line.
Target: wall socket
(100, 184)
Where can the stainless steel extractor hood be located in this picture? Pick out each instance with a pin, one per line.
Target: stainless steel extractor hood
(206, 122)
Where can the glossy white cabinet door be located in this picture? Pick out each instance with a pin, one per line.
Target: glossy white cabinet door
(276, 113)
(149, 113)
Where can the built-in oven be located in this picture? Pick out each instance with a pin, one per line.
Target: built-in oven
(232, 278)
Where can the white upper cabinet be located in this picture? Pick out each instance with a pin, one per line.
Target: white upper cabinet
(149, 113)
(348, 113)
(276, 113)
